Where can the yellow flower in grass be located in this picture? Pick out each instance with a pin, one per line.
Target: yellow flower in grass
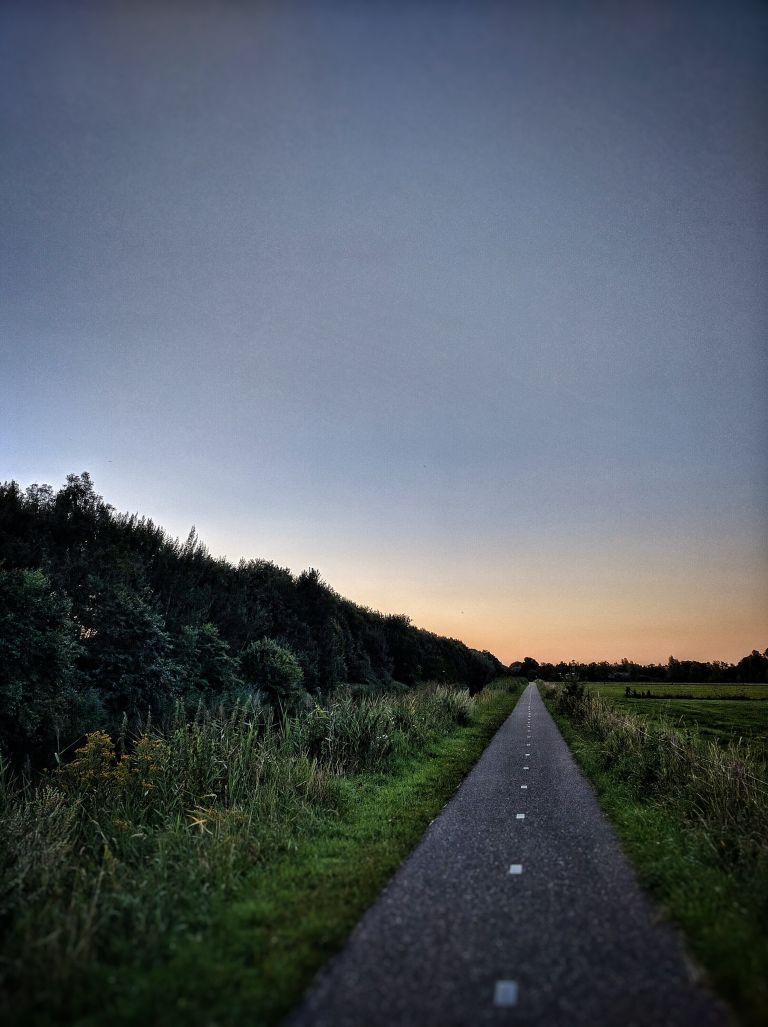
(151, 756)
(150, 759)
(122, 771)
(93, 761)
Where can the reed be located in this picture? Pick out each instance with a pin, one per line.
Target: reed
(722, 786)
(139, 837)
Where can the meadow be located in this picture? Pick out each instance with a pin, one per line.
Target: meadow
(684, 782)
(722, 713)
(204, 872)
(685, 690)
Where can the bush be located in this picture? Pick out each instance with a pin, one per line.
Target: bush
(574, 690)
(570, 697)
(273, 668)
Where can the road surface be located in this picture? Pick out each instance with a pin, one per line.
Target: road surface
(517, 907)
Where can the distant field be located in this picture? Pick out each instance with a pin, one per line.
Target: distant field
(615, 689)
(722, 712)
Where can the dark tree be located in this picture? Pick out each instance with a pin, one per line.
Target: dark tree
(38, 650)
(153, 619)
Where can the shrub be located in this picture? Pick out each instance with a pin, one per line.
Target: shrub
(273, 668)
(570, 697)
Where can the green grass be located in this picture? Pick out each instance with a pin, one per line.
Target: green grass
(713, 709)
(262, 951)
(248, 956)
(722, 720)
(713, 690)
(699, 845)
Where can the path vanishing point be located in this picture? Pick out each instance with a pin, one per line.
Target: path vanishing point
(518, 906)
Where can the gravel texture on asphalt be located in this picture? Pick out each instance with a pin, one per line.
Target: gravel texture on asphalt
(459, 938)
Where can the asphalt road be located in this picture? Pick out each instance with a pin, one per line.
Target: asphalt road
(517, 907)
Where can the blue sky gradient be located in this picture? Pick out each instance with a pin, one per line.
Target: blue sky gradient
(463, 304)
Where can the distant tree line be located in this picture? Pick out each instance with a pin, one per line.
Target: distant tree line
(751, 669)
(103, 614)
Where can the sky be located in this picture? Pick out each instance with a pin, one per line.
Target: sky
(463, 304)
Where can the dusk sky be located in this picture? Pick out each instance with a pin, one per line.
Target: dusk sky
(462, 304)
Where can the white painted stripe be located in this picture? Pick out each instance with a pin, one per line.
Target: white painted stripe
(520, 816)
(523, 786)
(516, 868)
(505, 993)
(526, 768)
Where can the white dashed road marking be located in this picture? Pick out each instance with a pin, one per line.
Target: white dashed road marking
(520, 816)
(516, 868)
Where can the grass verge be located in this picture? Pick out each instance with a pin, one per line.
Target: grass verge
(249, 958)
(707, 870)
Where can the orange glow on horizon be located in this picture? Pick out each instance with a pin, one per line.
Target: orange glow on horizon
(634, 601)
(620, 599)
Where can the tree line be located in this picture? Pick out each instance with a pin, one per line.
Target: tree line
(751, 669)
(103, 616)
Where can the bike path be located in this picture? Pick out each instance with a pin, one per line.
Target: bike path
(518, 906)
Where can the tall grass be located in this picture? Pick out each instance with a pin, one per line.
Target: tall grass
(723, 787)
(120, 854)
(693, 814)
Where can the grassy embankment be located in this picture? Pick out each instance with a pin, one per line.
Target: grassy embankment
(203, 875)
(690, 803)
